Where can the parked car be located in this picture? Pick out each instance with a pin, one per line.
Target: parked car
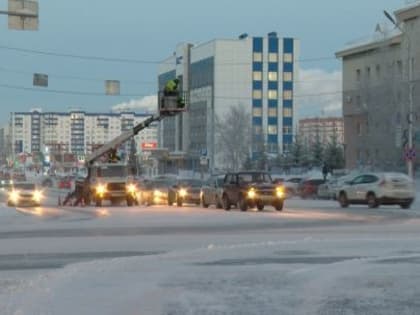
(185, 191)
(291, 185)
(308, 188)
(375, 189)
(328, 190)
(252, 189)
(24, 194)
(211, 192)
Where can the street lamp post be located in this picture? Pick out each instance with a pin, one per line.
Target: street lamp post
(410, 116)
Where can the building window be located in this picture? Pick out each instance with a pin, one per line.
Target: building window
(287, 76)
(257, 56)
(287, 130)
(399, 67)
(272, 94)
(358, 74)
(287, 95)
(272, 76)
(273, 57)
(272, 112)
(257, 76)
(359, 128)
(257, 130)
(257, 94)
(287, 112)
(287, 57)
(368, 72)
(257, 112)
(272, 129)
(378, 71)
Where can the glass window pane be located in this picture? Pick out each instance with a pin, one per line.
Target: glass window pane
(272, 112)
(287, 95)
(287, 57)
(257, 112)
(257, 94)
(287, 112)
(257, 75)
(272, 57)
(257, 57)
(272, 76)
(272, 94)
(287, 76)
(272, 129)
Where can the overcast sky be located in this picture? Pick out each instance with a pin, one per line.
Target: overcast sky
(149, 30)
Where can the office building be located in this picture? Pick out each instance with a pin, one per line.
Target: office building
(376, 93)
(256, 73)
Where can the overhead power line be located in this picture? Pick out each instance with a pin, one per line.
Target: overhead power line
(85, 93)
(127, 60)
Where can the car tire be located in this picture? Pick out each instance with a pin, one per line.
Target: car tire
(405, 205)
(203, 203)
(342, 199)
(179, 202)
(279, 205)
(219, 204)
(372, 201)
(130, 201)
(226, 203)
(242, 204)
(260, 206)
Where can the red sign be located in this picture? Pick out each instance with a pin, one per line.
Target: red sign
(149, 145)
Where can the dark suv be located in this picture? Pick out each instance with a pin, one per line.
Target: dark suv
(251, 189)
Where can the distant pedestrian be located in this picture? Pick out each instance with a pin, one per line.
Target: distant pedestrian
(325, 170)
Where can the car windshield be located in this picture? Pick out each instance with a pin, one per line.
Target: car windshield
(25, 186)
(254, 178)
(190, 183)
(112, 171)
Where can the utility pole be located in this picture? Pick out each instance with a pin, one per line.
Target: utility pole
(23, 14)
(411, 115)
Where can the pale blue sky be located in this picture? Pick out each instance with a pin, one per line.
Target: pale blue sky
(149, 30)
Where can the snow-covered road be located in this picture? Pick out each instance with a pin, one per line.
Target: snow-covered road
(313, 258)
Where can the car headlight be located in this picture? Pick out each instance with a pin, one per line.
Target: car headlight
(100, 189)
(279, 192)
(14, 195)
(251, 193)
(37, 195)
(157, 193)
(182, 192)
(131, 188)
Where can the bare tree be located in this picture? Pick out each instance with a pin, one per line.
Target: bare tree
(234, 136)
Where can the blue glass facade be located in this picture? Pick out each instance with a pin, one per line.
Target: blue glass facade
(273, 85)
(257, 85)
(288, 89)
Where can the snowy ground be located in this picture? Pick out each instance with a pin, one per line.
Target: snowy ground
(312, 258)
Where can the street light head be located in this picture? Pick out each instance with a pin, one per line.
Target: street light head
(389, 17)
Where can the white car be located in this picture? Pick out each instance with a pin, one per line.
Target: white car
(24, 194)
(375, 189)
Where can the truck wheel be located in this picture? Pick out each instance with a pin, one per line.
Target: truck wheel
(242, 204)
(260, 206)
(372, 201)
(342, 199)
(99, 202)
(203, 202)
(279, 205)
(129, 201)
(225, 202)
